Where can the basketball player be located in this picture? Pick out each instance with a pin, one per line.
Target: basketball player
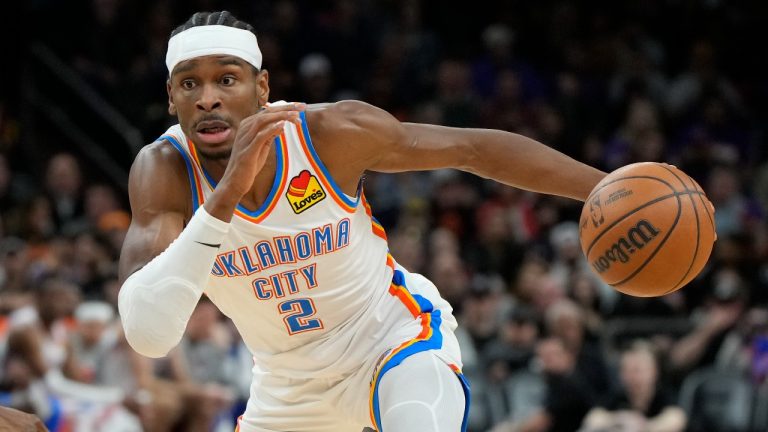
(260, 207)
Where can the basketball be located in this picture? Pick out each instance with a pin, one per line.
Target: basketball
(647, 229)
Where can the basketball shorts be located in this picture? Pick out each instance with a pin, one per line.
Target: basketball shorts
(426, 351)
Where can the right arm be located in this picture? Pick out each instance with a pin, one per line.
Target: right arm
(165, 265)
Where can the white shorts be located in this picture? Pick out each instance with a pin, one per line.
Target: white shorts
(351, 402)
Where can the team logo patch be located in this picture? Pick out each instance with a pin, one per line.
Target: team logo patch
(304, 191)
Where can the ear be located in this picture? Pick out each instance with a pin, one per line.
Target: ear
(262, 87)
(171, 105)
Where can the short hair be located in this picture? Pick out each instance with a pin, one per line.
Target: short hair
(224, 18)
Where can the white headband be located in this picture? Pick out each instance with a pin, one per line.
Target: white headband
(212, 40)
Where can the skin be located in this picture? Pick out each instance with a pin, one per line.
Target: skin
(11, 419)
(350, 137)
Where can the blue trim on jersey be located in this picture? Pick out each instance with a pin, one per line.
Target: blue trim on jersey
(434, 342)
(272, 191)
(340, 193)
(467, 399)
(190, 173)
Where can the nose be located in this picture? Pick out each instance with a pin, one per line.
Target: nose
(209, 99)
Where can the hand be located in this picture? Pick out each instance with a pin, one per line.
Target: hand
(252, 144)
(723, 316)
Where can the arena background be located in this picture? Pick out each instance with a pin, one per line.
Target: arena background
(608, 83)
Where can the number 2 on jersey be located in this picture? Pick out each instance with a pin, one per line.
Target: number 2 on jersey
(299, 315)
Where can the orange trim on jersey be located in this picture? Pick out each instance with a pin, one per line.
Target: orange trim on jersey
(195, 172)
(321, 174)
(375, 225)
(275, 192)
(426, 333)
(3, 325)
(278, 191)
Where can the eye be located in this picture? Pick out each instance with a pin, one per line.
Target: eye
(188, 84)
(227, 80)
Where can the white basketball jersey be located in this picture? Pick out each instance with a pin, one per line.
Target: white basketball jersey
(307, 278)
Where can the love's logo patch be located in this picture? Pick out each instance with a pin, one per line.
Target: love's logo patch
(304, 191)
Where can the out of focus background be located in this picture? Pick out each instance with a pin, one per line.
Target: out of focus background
(546, 346)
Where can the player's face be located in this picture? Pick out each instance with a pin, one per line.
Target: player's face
(210, 95)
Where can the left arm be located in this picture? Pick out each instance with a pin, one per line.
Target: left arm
(509, 158)
(364, 137)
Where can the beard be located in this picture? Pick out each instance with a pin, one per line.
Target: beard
(220, 155)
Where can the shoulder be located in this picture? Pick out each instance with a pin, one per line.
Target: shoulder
(350, 117)
(159, 151)
(342, 109)
(159, 159)
(158, 178)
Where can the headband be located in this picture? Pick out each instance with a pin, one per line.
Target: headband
(212, 40)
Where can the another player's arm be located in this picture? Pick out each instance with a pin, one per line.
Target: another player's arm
(379, 142)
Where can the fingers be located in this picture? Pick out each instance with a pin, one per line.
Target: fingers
(291, 109)
(296, 106)
(251, 127)
(262, 127)
(264, 136)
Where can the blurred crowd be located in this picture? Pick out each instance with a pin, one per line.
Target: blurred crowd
(546, 345)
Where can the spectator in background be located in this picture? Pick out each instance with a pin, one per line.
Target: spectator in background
(47, 372)
(569, 395)
(713, 322)
(205, 344)
(448, 272)
(565, 320)
(454, 94)
(100, 200)
(14, 191)
(481, 314)
(641, 404)
(639, 57)
(745, 349)
(193, 376)
(734, 210)
(493, 250)
(316, 78)
(94, 337)
(584, 290)
(687, 91)
(14, 265)
(63, 185)
(638, 137)
(569, 260)
(514, 345)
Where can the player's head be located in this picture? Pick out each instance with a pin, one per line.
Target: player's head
(215, 79)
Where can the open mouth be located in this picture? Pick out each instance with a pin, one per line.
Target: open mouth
(213, 132)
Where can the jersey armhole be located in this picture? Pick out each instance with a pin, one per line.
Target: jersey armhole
(345, 201)
(194, 178)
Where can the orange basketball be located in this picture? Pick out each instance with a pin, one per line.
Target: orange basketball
(647, 229)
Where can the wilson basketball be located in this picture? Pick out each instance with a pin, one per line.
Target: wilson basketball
(647, 229)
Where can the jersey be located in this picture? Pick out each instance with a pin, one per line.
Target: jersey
(307, 278)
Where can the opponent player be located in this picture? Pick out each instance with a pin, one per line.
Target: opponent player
(260, 206)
